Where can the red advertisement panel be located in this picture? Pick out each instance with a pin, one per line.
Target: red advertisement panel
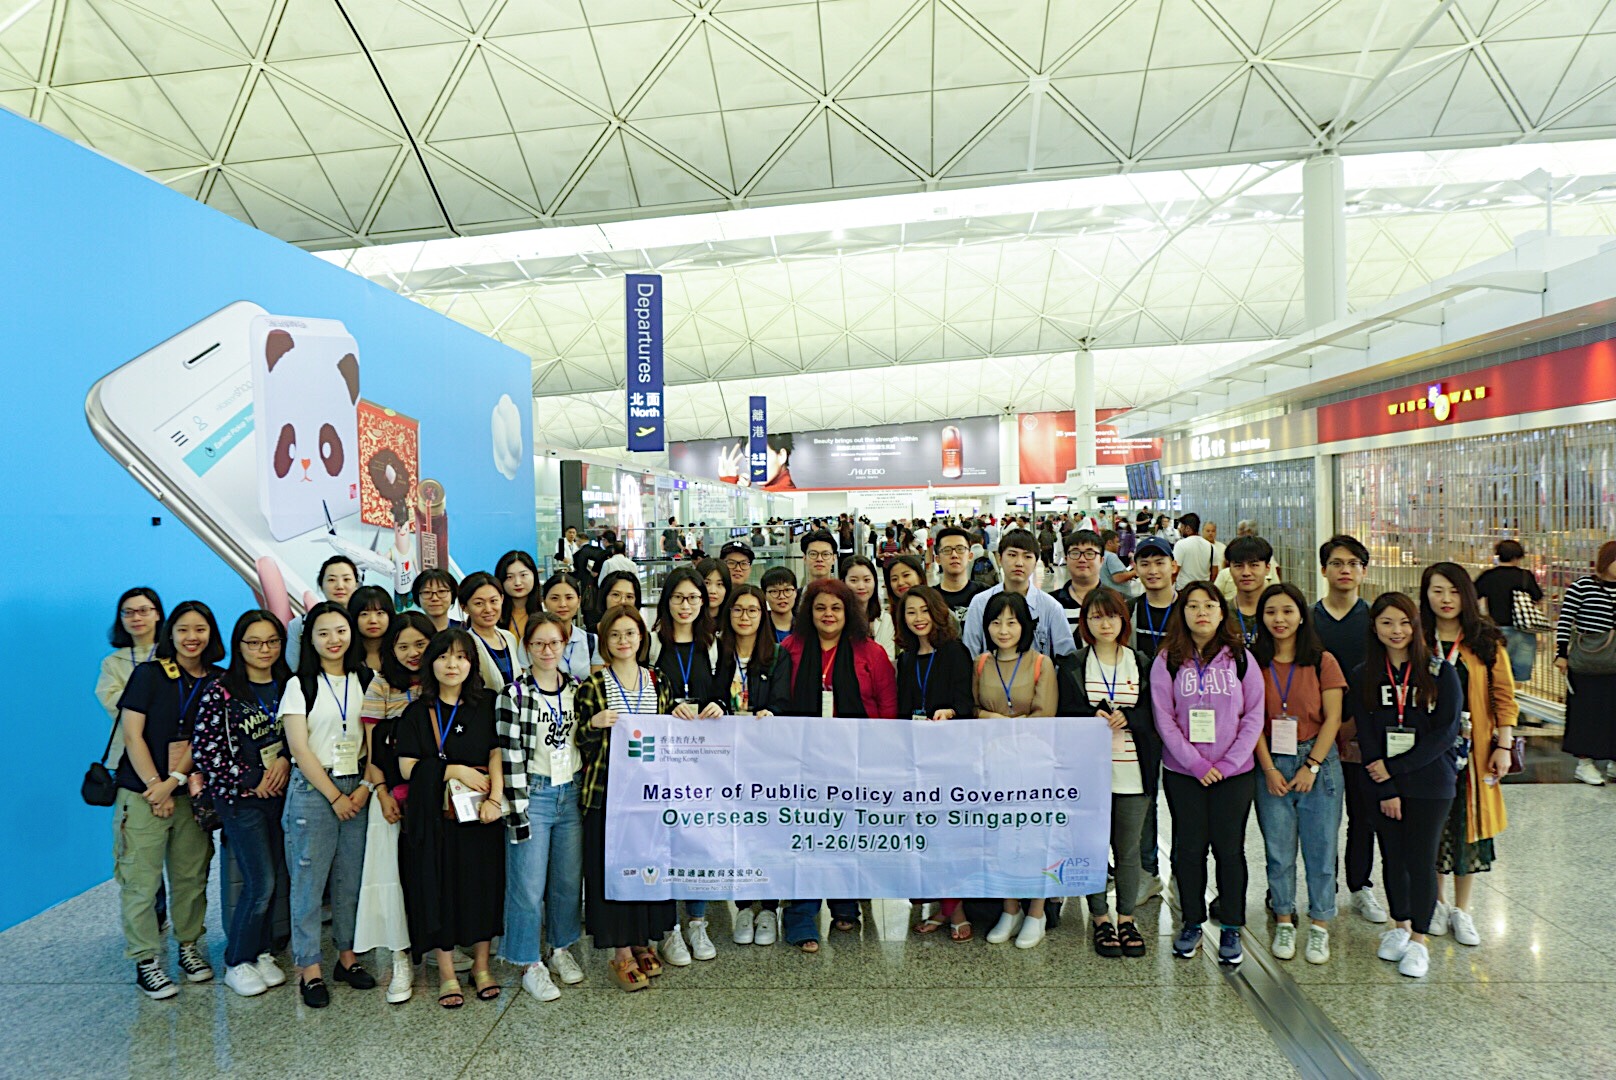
(1048, 445)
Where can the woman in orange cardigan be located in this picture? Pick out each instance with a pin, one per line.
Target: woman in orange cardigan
(1457, 631)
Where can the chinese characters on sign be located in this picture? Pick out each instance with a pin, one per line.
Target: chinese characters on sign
(646, 419)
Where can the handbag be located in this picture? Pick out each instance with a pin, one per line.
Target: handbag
(1517, 755)
(1527, 615)
(100, 787)
(1592, 654)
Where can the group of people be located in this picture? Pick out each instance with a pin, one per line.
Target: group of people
(437, 776)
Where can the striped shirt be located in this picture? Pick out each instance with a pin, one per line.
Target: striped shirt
(1590, 606)
(598, 693)
(1122, 690)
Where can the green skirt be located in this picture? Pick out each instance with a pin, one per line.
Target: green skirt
(1456, 855)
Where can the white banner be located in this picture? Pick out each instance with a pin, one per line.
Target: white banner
(802, 807)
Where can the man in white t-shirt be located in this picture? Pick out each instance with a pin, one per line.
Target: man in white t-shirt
(1193, 552)
(1210, 531)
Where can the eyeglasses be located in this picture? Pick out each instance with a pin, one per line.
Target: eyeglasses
(750, 611)
(137, 612)
(684, 599)
(436, 592)
(623, 635)
(548, 646)
(260, 643)
(1084, 555)
(953, 549)
(777, 594)
(821, 556)
(738, 564)
(1347, 564)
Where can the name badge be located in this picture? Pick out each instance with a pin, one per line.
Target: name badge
(345, 758)
(919, 714)
(1283, 739)
(560, 765)
(1203, 726)
(692, 702)
(827, 703)
(467, 803)
(1399, 742)
(270, 754)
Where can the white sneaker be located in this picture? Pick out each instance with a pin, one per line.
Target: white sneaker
(245, 980)
(565, 968)
(402, 984)
(1032, 931)
(1439, 919)
(1364, 903)
(1005, 928)
(1463, 927)
(1393, 944)
(743, 930)
(536, 981)
(674, 950)
(269, 970)
(701, 946)
(767, 928)
(460, 960)
(1610, 770)
(1588, 773)
(1149, 889)
(1318, 945)
(1415, 962)
(1284, 946)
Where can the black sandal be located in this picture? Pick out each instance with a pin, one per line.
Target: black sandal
(1105, 940)
(1133, 943)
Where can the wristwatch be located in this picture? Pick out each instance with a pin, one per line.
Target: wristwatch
(1313, 766)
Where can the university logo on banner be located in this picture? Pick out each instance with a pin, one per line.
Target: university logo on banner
(757, 440)
(646, 417)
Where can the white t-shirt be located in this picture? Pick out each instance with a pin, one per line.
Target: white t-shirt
(334, 698)
(1194, 557)
(616, 563)
(1217, 553)
(1122, 688)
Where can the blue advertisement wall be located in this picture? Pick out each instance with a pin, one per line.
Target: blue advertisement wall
(102, 268)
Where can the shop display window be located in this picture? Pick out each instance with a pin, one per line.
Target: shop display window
(1277, 495)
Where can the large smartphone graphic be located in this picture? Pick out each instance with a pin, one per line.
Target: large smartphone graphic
(184, 419)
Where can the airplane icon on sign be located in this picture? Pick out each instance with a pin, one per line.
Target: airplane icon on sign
(642, 432)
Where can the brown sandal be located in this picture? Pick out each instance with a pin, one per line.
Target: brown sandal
(628, 974)
(929, 926)
(959, 931)
(649, 962)
(450, 988)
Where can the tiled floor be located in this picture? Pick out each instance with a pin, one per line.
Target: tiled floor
(1533, 1001)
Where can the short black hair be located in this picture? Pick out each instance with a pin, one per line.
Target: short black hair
(234, 678)
(613, 578)
(370, 598)
(475, 581)
(781, 440)
(1085, 536)
(427, 577)
(397, 675)
(118, 636)
(319, 579)
(818, 536)
(950, 530)
(1353, 545)
(778, 575)
(1020, 539)
(1509, 550)
(165, 637)
(1017, 604)
(442, 642)
(1191, 521)
(1248, 549)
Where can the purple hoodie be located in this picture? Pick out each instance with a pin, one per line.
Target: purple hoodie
(1238, 706)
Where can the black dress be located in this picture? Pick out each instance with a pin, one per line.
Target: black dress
(453, 873)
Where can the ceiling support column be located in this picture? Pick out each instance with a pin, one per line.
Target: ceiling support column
(1324, 239)
(1083, 419)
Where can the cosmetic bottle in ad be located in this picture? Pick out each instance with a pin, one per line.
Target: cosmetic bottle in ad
(953, 453)
(433, 522)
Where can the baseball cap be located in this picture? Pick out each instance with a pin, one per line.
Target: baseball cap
(1153, 546)
(735, 547)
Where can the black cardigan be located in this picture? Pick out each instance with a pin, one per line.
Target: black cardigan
(1141, 721)
(766, 687)
(947, 687)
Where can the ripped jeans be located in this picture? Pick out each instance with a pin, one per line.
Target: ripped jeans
(319, 847)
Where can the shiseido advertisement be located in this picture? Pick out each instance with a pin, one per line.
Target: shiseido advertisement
(944, 453)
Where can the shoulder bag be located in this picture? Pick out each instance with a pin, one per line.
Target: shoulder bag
(1591, 652)
(1528, 617)
(100, 787)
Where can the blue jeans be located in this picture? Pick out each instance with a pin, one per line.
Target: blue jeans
(253, 829)
(320, 848)
(1522, 650)
(1313, 821)
(544, 874)
(800, 921)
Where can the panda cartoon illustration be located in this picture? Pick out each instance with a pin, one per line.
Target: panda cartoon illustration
(305, 376)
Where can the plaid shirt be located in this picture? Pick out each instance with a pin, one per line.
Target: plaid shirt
(595, 743)
(524, 723)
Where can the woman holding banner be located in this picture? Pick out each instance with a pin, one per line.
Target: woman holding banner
(828, 679)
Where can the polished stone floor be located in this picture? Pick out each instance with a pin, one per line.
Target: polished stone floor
(1533, 1001)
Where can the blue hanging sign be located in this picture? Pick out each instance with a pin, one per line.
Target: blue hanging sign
(646, 420)
(757, 440)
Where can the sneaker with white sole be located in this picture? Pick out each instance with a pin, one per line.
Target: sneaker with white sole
(1439, 919)
(536, 981)
(1031, 932)
(269, 970)
(701, 946)
(565, 968)
(1393, 944)
(1284, 946)
(402, 984)
(1364, 903)
(1149, 889)
(245, 980)
(1416, 961)
(460, 960)
(674, 951)
(1463, 927)
(1610, 770)
(768, 928)
(1588, 773)
(194, 964)
(1006, 928)
(1188, 942)
(1318, 945)
(154, 981)
(743, 930)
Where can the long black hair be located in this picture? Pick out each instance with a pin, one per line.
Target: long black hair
(1375, 659)
(372, 598)
(1309, 649)
(873, 605)
(118, 636)
(611, 579)
(1016, 604)
(442, 642)
(763, 643)
(165, 638)
(507, 611)
(702, 629)
(309, 666)
(1179, 644)
(397, 675)
(234, 678)
(1476, 630)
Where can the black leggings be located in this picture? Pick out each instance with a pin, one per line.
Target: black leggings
(1363, 812)
(1210, 818)
(1408, 859)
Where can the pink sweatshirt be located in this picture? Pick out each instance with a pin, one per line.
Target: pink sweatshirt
(1237, 706)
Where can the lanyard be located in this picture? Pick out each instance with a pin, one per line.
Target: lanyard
(1111, 683)
(639, 688)
(566, 656)
(556, 713)
(827, 663)
(1009, 702)
(1150, 623)
(684, 667)
(151, 651)
(926, 678)
(1452, 655)
(1285, 694)
(1200, 675)
(1247, 634)
(342, 701)
(442, 729)
(186, 700)
(1400, 691)
(269, 709)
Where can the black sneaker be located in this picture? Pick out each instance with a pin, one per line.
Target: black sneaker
(356, 976)
(154, 981)
(194, 964)
(316, 995)
(1106, 942)
(1133, 943)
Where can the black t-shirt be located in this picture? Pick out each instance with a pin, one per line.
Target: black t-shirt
(960, 602)
(1149, 625)
(471, 735)
(1498, 585)
(1345, 639)
(169, 706)
(673, 661)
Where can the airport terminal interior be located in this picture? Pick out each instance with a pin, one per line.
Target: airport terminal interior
(1188, 337)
